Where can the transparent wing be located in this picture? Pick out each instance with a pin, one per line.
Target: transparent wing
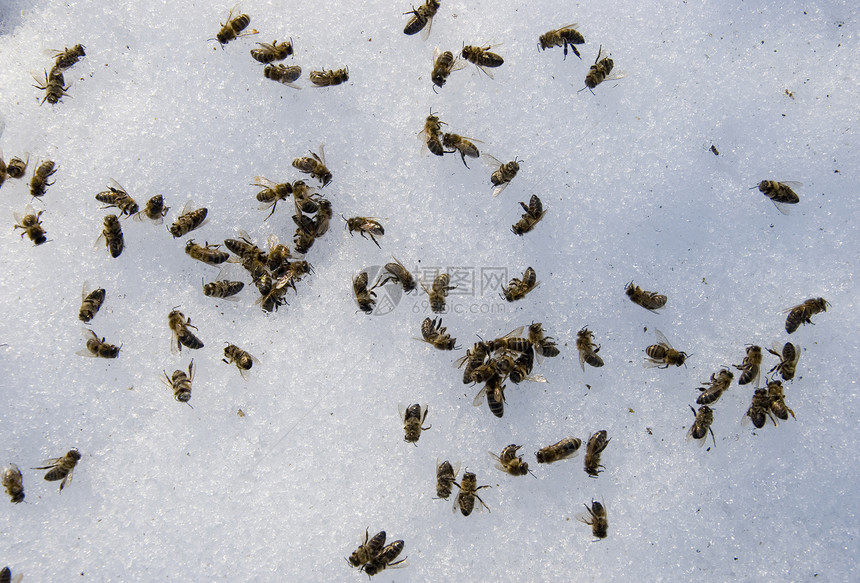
(661, 338)
(425, 32)
(479, 398)
(497, 190)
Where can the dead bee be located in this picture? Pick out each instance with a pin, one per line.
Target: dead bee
(61, 468)
(518, 288)
(188, 220)
(323, 218)
(482, 57)
(384, 558)
(68, 57)
(596, 519)
(117, 197)
(154, 210)
(233, 28)
(90, 303)
(315, 166)
(712, 391)
(284, 74)
(776, 400)
(511, 341)
(751, 366)
(595, 445)
(365, 298)
(566, 36)
(273, 297)
(436, 335)
(14, 483)
(543, 345)
(802, 314)
(780, 193)
(446, 475)
(714, 150)
(243, 360)
(364, 225)
(587, 349)
(462, 145)
(272, 193)
(209, 254)
(398, 273)
(510, 463)
(648, 300)
(505, 172)
(413, 418)
(422, 18)
(181, 383)
(179, 325)
(702, 425)
(222, 289)
(6, 576)
(662, 354)
(468, 493)
(31, 225)
(272, 52)
(369, 549)
(532, 216)
(98, 348)
(432, 134)
(564, 449)
(39, 183)
(112, 234)
(245, 249)
(787, 360)
(495, 392)
(16, 167)
(439, 292)
(443, 65)
(523, 365)
(759, 410)
(473, 359)
(306, 198)
(599, 71)
(54, 86)
(329, 78)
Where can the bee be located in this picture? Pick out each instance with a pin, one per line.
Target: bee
(364, 225)
(482, 57)
(272, 293)
(243, 360)
(751, 366)
(384, 558)
(98, 348)
(787, 365)
(714, 150)
(495, 392)
(702, 425)
(188, 220)
(14, 483)
(712, 391)
(208, 254)
(436, 335)
(566, 36)
(780, 193)
(154, 210)
(564, 449)
(587, 349)
(518, 288)
(305, 197)
(444, 63)
(54, 86)
(369, 549)
(398, 273)
(593, 448)
(39, 183)
(61, 468)
(315, 166)
(413, 418)
(303, 240)
(6, 576)
(802, 313)
(648, 300)
(534, 212)
(662, 354)
(117, 197)
(329, 78)
(31, 225)
(180, 382)
(16, 167)
(246, 250)
(473, 359)
(182, 336)
(365, 298)
(422, 18)
(272, 52)
(523, 367)
(112, 234)
(511, 341)
(432, 134)
(504, 173)
(462, 145)
(446, 475)
(596, 519)
(599, 71)
(510, 463)
(468, 493)
(233, 28)
(543, 345)
(222, 289)
(776, 400)
(323, 218)
(284, 74)
(759, 410)
(90, 303)
(68, 57)
(439, 292)
(272, 193)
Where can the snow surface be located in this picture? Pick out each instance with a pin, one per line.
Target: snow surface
(167, 492)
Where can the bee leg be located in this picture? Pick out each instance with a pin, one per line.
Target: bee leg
(374, 240)
(274, 206)
(463, 156)
(714, 439)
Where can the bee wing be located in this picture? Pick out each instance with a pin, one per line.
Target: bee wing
(49, 463)
(537, 378)
(781, 207)
(661, 338)
(652, 363)
(402, 409)
(701, 441)
(67, 480)
(84, 288)
(322, 154)
(425, 32)
(479, 398)
(584, 517)
(175, 346)
(117, 186)
(460, 361)
(83, 352)
(497, 190)
(567, 26)
(582, 360)
(263, 182)
(485, 72)
(515, 333)
(791, 183)
(436, 53)
(498, 463)
(492, 161)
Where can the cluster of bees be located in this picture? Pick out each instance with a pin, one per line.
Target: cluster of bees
(373, 555)
(54, 84)
(59, 470)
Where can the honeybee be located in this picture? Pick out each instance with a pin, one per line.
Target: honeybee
(98, 348)
(505, 172)
(468, 493)
(436, 335)
(751, 366)
(208, 254)
(511, 341)
(802, 314)
(364, 225)
(596, 519)
(61, 468)
(787, 365)
(6, 576)
(14, 483)
(780, 193)
(222, 289)
(543, 345)
(188, 220)
(31, 225)
(272, 52)
(365, 298)
(384, 558)
(587, 349)
(284, 74)
(117, 197)
(323, 218)
(180, 382)
(273, 293)
(495, 392)
(446, 475)
(776, 400)
(473, 359)
(54, 86)
(243, 360)
(315, 166)
(532, 216)
(566, 36)
(398, 273)
(712, 391)
(432, 134)
(564, 449)
(369, 549)
(510, 463)
(444, 63)
(68, 57)
(246, 250)
(329, 78)
(518, 288)
(759, 410)
(594, 447)
(599, 71)
(714, 150)
(439, 292)
(413, 418)
(702, 425)
(523, 367)
(16, 167)
(112, 234)
(272, 193)
(662, 354)
(422, 18)
(182, 336)
(482, 57)
(648, 300)
(154, 210)
(90, 303)
(39, 183)
(233, 28)
(462, 145)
